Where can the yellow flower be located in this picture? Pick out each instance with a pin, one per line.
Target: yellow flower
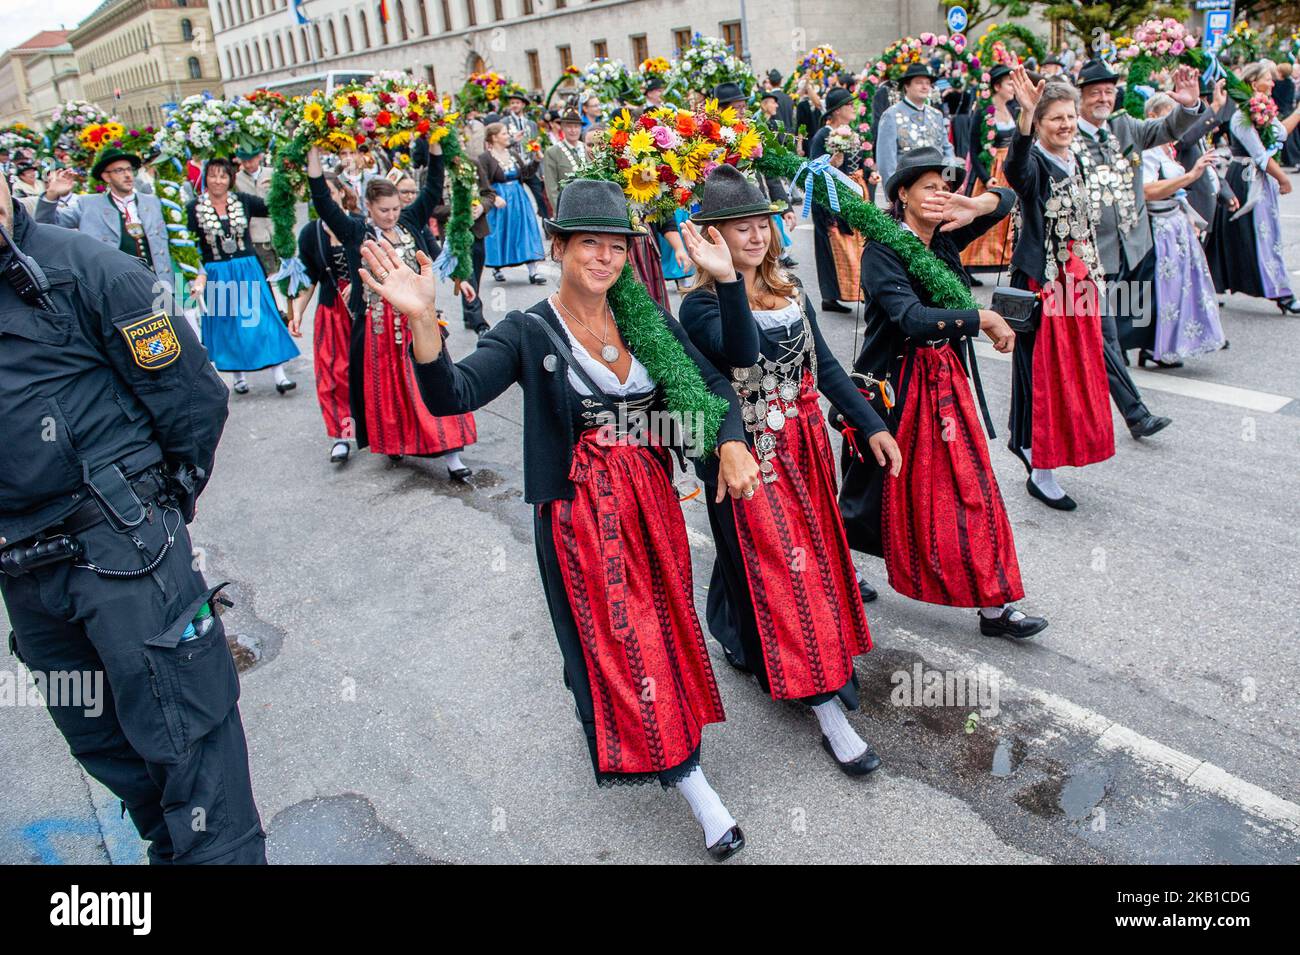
(711, 106)
(340, 102)
(747, 143)
(439, 133)
(337, 142)
(397, 139)
(415, 107)
(641, 142)
(313, 113)
(728, 116)
(622, 121)
(642, 182)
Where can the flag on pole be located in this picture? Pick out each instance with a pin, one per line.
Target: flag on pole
(297, 11)
(383, 11)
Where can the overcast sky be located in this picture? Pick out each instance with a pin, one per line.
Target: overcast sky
(20, 20)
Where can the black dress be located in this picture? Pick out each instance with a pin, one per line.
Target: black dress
(828, 281)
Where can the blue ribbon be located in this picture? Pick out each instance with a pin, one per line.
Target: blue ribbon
(295, 272)
(168, 204)
(177, 163)
(178, 227)
(1214, 69)
(186, 268)
(445, 263)
(821, 166)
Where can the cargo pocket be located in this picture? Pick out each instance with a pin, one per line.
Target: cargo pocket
(194, 681)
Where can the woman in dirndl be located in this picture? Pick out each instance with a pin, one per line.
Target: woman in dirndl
(940, 525)
(836, 247)
(325, 260)
(992, 250)
(513, 235)
(782, 600)
(1187, 313)
(1245, 246)
(387, 414)
(611, 540)
(677, 266)
(242, 327)
(1060, 410)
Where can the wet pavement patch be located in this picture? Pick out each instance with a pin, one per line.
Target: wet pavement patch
(338, 830)
(252, 640)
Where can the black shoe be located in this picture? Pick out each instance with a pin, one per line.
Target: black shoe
(867, 591)
(460, 475)
(481, 330)
(1288, 305)
(284, 387)
(835, 307)
(1065, 503)
(734, 663)
(868, 762)
(1145, 357)
(241, 387)
(497, 276)
(732, 841)
(975, 282)
(1149, 426)
(339, 453)
(537, 280)
(788, 262)
(1225, 344)
(1004, 626)
(394, 458)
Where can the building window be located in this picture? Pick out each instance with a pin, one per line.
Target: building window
(279, 50)
(471, 13)
(566, 60)
(196, 70)
(257, 57)
(681, 40)
(640, 50)
(365, 30)
(383, 27)
(334, 39)
(432, 75)
(424, 17)
(320, 47)
(402, 27)
(293, 51)
(732, 36)
(560, 4)
(446, 15)
(534, 69)
(230, 66)
(187, 30)
(497, 12)
(599, 49)
(526, 7)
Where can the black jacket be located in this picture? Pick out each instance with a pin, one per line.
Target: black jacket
(514, 351)
(723, 328)
(1029, 172)
(108, 377)
(314, 251)
(254, 208)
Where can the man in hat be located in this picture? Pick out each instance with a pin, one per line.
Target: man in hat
(654, 91)
(521, 129)
(563, 157)
(1051, 66)
(784, 104)
(910, 123)
(1109, 151)
(26, 181)
(254, 178)
(122, 216)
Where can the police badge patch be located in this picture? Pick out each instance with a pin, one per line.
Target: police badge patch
(152, 341)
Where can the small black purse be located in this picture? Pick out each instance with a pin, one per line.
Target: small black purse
(1019, 307)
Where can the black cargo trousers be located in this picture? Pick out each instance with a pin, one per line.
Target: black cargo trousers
(168, 740)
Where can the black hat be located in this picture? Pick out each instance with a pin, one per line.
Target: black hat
(517, 93)
(23, 167)
(770, 94)
(914, 72)
(570, 116)
(656, 82)
(836, 98)
(997, 73)
(912, 165)
(726, 93)
(1052, 60)
(112, 155)
(774, 77)
(1096, 71)
(730, 194)
(591, 205)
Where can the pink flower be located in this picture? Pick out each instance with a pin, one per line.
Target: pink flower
(664, 137)
(984, 77)
(928, 39)
(1177, 48)
(367, 124)
(959, 42)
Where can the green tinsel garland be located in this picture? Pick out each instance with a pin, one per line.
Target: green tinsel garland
(944, 289)
(698, 409)
(459, 238)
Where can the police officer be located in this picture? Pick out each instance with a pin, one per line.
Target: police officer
(109, 419)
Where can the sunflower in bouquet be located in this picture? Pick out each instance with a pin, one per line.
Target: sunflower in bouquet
(390, 114)
(482, 92)
(661, 158)
(821, 63)
(64, 130)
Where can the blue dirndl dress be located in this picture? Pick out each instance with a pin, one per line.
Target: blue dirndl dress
(672, 272)
(514, 237)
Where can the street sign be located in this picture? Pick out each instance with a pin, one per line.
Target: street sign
(1217, 24)
(1214, 4)
(957, 19)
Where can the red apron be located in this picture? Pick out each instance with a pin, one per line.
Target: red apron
(331, 335)
(626, 564)
(945, 531)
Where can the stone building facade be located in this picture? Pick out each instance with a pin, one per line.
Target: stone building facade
(51, 49)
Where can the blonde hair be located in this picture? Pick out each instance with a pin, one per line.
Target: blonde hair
(770, 277)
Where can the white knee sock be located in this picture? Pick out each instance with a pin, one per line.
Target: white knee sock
(705, 805)
(532, 269)
(835, 726)
(1045, 479)
(992, 613)
(239, 376)
(453, 461)
(280, 376)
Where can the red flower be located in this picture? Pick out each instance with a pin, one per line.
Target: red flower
(621, 163)
(685, 124)
(712, 130)
(618, 139)
(384, 97)
(383, 118)
(354, 102)
(331, 120)
(684, 197)
(732, 159)
(740, 127)
(361, 138)
(422, 126)
(646, 121)
(666, 174)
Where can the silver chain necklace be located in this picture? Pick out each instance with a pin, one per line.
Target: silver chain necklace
(609, 353)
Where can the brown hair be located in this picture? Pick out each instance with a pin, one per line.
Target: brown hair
(492, 129)
(350, 203)
(379, 188)
(771, 276)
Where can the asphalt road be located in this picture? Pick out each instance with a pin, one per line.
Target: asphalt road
(407, 703)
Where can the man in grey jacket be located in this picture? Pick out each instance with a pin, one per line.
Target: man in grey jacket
(1109, 151)
(1205, 191)
(122, 216)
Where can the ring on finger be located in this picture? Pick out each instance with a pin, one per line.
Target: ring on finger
(382, 277)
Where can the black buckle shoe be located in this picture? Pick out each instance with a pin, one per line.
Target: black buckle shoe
(240, 387)
(1149, 426)
(339, 453)
(537, 280)
(867, 591)
(1004, 626)
(835, 307)
(1065, 503)
(284, 387)
(460, 475)
(732, 841)
(868, 762)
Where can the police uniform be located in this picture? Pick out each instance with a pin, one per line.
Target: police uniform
(104, 401)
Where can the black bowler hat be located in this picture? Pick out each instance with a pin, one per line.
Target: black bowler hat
(1096, 71)
(915, 71)
(836, 98)
(112, 155)
(912, 165)
(770, 94)
(726, 93)
(729, 194)
(774, 77)
(997, 73)
(1053, 60)
(591, 205)
(655, 82)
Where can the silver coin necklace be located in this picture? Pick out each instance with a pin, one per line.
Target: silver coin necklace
(608, 353)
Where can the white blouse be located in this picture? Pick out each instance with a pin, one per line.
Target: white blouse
(780, 318)
(638, 379)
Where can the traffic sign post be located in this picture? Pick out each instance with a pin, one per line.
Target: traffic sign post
(957, 19)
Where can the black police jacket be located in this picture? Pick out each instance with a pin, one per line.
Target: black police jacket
(108, 376)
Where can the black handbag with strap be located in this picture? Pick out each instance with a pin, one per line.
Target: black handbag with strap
(1020, 307)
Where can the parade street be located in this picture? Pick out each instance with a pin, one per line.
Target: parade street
(406, 703)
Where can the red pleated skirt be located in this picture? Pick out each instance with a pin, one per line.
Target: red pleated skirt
(801, 579)
(945, 532)
(643, 252)
(1071, 411)
(397, 421)
(331, 335)
(626, 565)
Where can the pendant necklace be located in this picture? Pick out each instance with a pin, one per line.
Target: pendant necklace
(608, 352)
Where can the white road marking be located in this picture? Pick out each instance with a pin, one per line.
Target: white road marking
(1251, 400)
